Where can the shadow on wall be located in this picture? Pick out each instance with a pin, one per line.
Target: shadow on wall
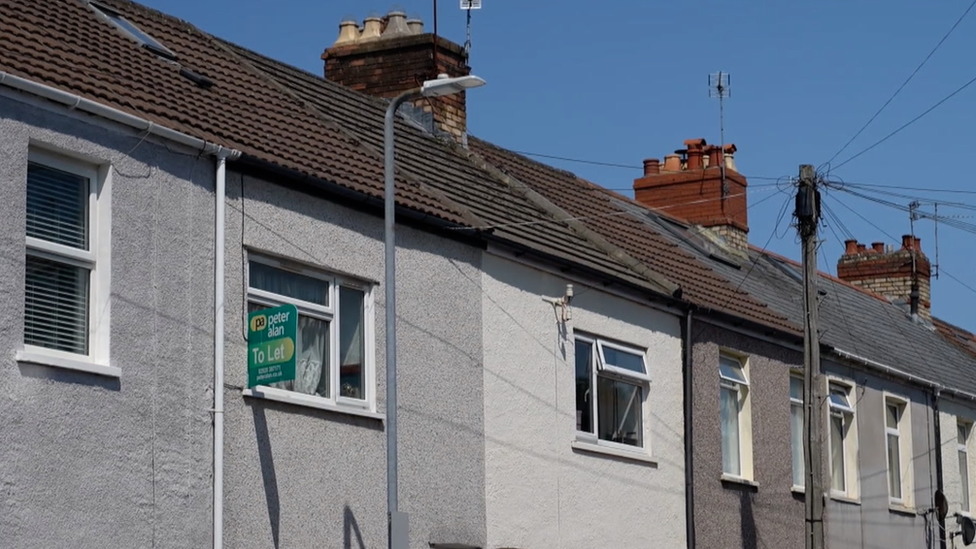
(350, 527)
(747, 521)
(268, 472)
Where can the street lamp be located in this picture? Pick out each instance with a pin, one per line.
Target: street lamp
(442, 85)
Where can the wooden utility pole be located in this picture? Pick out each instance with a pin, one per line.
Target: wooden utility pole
(808, 216)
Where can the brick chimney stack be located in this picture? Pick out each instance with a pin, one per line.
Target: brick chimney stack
(391, 55)
(889, 272)
(688, 185)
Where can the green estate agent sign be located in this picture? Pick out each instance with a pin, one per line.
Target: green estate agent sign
(271, 341)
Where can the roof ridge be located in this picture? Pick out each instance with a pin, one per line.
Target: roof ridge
(466, 214)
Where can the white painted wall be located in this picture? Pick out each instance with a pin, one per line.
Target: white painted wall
(540, 492)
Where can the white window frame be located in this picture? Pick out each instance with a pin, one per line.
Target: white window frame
(963, 453)
(597, 346)
(904, 433)
(849, 454)
(744, 400)
(97, 259)
(794, 404)
(328, 313)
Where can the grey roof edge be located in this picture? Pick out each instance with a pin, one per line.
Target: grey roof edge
(559, 215)
(465, 214)
(895, 372)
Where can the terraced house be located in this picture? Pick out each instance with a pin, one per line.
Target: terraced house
(577, 368)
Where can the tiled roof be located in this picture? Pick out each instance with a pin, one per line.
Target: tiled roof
(501, 209)
(287, 117)
(851, 319)
(700, 282)
(64, 44)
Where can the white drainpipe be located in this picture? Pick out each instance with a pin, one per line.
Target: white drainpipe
(222, 154)
(218, 409)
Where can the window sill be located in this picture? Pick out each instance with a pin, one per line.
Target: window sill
(57, 361)
(843, 498)
(632, 455)
(798, 490)
(901, 509)
(739, 480)
(298, 399)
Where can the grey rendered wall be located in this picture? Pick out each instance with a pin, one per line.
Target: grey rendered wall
(730, 514)
(90, 461)
(871, 522)
(299, 477)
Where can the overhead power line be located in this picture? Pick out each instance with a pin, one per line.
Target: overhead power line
(905, 83)
(909, 123)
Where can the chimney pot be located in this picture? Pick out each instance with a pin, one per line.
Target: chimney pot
(348, 33)
(714, 156)
(416, 26)
(878, 247)
(652, 166)
(850, 247)
(730, 162)
(396, 25)
(861, 248)
(695, 144)
(371, 29)
(918, 244)
(906, 242)
(672, 163)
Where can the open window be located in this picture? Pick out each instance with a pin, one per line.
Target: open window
(129, 29)
(612, 382)
(842, 439)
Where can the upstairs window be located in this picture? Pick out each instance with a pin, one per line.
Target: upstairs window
(796, 430)
(841, 440)
(132, 31)
(67, 261)
(611, 386)
(963, 432)
(335, 330)
(735, 417)
(898, 445)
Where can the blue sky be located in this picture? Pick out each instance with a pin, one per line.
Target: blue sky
(621, 81)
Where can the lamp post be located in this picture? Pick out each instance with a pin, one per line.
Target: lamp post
(398, 528)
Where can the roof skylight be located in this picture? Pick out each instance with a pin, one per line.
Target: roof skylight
(132, 31)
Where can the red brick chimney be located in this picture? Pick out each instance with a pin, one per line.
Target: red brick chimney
(689, 186)
(391, 55)
(889, 273)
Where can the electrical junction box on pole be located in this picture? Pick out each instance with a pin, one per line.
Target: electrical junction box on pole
(271, 342)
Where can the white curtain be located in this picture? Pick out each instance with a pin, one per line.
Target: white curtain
(730, 431)
(796, 433)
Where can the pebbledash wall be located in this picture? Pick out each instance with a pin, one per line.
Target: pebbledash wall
(545, 489)
(304, 477)
(764, 508)
(100, 461)
(91, 461)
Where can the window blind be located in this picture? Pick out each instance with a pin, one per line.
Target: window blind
(56, 306)
(57, 206)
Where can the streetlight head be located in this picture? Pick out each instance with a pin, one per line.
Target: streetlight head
(442, 85)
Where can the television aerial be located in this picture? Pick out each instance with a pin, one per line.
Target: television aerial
(469, 6)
